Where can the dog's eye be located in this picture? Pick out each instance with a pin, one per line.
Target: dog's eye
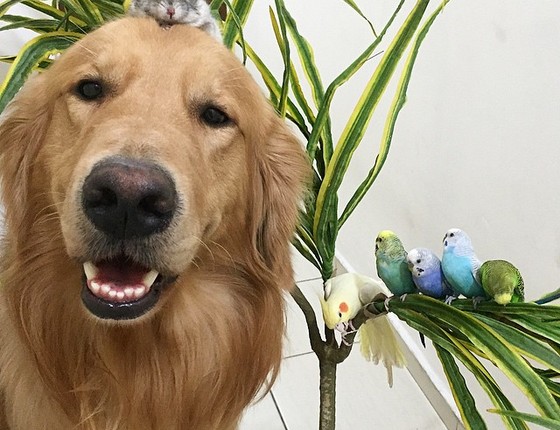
(214, 117)
(89, 89)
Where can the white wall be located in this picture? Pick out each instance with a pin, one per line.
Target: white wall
(477, 144)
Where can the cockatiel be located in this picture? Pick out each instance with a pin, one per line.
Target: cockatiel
(427, 275)
(345, 296)
(391, 264)
(502, 281)
(460, 264)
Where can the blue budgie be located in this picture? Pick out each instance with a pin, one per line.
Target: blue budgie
(460, 264)
(426, 271)
(391, 263)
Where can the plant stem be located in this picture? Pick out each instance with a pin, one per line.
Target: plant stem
(327, 389)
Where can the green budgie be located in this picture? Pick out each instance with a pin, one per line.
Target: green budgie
(502, 281)
(392, 266)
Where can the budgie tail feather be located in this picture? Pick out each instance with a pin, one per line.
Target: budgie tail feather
(378, 342)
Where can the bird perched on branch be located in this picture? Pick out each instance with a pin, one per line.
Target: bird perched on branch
(502, 281)
(460, 265)
(345, 297)
(391, 263)
(427, 275)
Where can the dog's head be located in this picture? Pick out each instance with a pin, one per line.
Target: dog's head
(150, 151)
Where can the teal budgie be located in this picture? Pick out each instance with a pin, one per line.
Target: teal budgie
(391, 263)
(460, 264)
(502, 281)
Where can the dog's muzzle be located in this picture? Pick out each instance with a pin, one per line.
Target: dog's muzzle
(126, 200)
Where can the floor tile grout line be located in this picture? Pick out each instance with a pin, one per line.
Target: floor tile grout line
(309, 279)
(278, 410)
(297, 355)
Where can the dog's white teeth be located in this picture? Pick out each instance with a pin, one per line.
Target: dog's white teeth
(149, 278)
(90, 270)
(95, 287)
(139, 292)
(114, 290)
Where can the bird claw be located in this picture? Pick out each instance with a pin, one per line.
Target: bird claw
(344, 341)
(476, 301)
(386, 303)
(343, 329)
(449, 299)
(403, 297)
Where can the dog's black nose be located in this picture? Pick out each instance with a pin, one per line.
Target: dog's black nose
(129, 198)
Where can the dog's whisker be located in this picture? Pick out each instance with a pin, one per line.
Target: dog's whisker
(226, 252)
(203, 243)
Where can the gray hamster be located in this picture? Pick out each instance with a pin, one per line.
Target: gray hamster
(169, 12)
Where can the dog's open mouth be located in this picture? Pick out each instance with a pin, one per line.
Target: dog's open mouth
(120, 289)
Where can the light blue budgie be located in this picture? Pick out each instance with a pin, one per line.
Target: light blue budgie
(391, 263)
(460, 264)
(426, 271)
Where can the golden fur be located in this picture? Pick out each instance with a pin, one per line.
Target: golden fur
(214, 339)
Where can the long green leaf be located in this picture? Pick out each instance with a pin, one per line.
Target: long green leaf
(299, 96)
(543, 422)
(32, 53)
(463, 397)
(444, 339)
(494, 346)
(324, 109)
(110, 9)
(396, 106)
(525, 345)
(547, 330)
(279, 27)
(6, 5)
(274, 89)
(304, 251)
(311, 71)
(239, 26)
(554, 295)
(542, 312)
(358, 10)
(11, 58)
(37, 25)
(231, 29)
(55, 13)
(325, 225)
(91, 11)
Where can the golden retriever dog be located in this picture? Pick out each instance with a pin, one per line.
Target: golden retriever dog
(150, 193)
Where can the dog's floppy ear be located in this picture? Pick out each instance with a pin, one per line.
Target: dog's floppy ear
(23, 125)
(283, 171)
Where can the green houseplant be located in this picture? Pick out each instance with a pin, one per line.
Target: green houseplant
(521, 340)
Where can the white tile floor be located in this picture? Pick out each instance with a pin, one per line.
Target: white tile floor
(364, 399)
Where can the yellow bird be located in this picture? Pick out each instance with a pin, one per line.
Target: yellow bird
(345, 296)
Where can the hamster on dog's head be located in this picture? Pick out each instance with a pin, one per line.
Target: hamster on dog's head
(169, 12)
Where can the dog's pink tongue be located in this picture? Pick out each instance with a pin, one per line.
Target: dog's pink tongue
(120, 273)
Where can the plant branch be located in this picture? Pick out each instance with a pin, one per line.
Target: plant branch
(315, 339)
